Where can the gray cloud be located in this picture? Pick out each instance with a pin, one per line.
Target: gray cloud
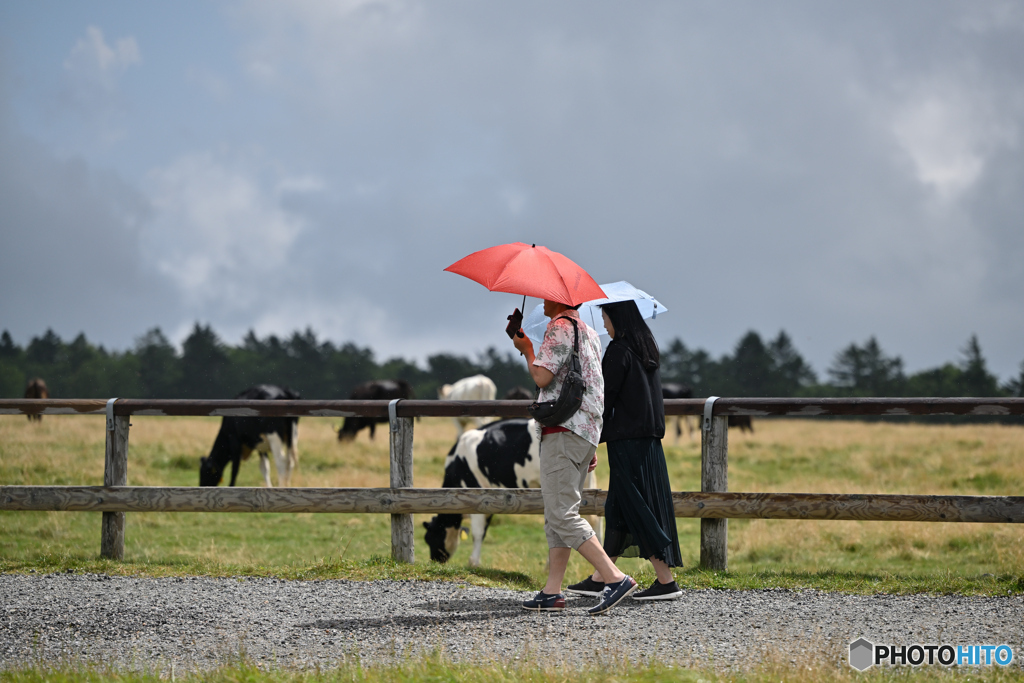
(69, 248)
(834, 170)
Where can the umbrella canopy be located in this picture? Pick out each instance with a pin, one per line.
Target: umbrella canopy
(590, 312)
(531, 271)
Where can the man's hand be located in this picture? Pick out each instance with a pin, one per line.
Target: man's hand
(524, 345)
(593, 464)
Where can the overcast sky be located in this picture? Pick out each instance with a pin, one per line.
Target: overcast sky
(834, 169)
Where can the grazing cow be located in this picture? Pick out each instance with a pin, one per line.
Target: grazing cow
(743, 422)
(518, 394)
(374, 390)
(475, 388)
(503, 454)
(240, 436)
(36, 389)
(672, 390)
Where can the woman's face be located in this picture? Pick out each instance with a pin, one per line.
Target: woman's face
(608, 324)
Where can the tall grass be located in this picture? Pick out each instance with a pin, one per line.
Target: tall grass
(436, 667)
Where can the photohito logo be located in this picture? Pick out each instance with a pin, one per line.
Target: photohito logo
(864, 654)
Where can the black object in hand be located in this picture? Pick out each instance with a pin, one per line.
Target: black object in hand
(515, 321)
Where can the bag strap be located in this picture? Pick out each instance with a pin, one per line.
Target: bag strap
(575, 360)
(575, 333)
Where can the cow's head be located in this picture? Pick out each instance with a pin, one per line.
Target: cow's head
(349, 428)
(210, 472)
(442, 536)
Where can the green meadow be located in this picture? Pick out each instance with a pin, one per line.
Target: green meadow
(781, 455)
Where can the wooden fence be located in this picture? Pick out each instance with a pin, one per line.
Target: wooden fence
(714, 504)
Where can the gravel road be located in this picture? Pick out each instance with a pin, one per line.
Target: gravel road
(199, 622)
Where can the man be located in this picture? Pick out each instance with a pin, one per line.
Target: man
(567, 453)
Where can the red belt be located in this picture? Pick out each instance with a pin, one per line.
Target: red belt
(544, 431)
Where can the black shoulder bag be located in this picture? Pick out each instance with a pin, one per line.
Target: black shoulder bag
(554, 413)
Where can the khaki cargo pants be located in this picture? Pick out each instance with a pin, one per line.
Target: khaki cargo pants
(564, 459)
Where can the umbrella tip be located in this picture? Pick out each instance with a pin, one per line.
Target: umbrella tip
(534, 246)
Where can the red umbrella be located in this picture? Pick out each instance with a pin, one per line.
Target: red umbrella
(531, 271)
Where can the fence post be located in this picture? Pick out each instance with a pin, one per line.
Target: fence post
(402, 548)
(115, 473)
(714, 477)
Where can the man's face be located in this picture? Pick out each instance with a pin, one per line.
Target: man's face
(551, 308)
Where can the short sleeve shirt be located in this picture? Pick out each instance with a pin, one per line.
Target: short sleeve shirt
(554, 354)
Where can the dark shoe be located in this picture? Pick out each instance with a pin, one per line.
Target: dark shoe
(587, 587)
(542, 602)
(659, 591)
(613, 594)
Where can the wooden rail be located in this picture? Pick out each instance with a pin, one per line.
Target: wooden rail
(714, 505)
(763, 407)
(851, 507)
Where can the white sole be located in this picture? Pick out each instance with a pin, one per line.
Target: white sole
(668, 596)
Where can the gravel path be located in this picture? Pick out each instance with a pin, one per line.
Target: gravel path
(201, 622)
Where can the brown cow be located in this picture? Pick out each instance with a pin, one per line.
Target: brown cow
(36, 389)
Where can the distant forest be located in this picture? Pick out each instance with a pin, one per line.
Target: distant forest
(206, 367)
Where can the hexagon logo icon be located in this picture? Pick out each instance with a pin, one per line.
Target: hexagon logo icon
(861, 654)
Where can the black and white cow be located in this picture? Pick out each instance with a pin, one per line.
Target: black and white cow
(374, 390)
(503, 454)
(673, 390)
(240, 436)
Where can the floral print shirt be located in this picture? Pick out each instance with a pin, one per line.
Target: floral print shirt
(554, 354)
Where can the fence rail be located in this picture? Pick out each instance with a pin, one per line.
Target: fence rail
(756, 407)
(850, 507)
(714, 505)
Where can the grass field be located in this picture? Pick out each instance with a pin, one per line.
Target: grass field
(782, 455)
(434, 668)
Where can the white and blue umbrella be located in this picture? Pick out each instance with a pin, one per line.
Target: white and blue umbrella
(590, 313)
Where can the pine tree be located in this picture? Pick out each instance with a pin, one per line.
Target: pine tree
(158, 365)
(1015, 387)
(975, 378)
(204, 366)
(867, 371)
(790, 372)
(751, 367)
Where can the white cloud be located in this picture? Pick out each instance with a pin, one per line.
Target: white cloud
(301, 185)
(949, 132)
(217, 234)
(93, 59)
(337, 36)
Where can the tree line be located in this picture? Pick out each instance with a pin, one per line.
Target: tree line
(207, 367)
(775, 368)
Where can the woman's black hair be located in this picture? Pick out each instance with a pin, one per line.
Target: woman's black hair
(630, 327)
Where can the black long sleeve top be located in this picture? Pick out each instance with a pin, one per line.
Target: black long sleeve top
(633, 404)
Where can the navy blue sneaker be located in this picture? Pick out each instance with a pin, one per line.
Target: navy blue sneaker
(542, 602)
(659, 591)
(613, 594)
(587, 587)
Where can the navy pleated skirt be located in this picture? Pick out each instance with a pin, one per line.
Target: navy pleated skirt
(640, 519)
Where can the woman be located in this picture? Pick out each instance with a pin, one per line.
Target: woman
(639, 515)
